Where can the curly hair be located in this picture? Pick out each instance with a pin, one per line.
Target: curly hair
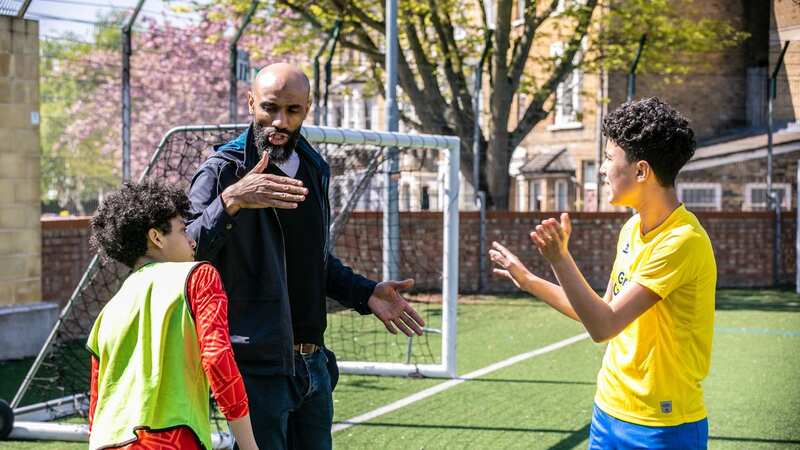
(119, 227)
(651, 130)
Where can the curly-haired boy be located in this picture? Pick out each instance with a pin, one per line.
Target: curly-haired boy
(163, 338)
(658, 310)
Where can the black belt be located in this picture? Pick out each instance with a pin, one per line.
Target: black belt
(306, 349)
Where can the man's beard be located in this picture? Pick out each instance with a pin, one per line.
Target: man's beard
(277, 153)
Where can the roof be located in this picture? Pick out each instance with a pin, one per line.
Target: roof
(743, 149)
(552, 161)
(16, 8)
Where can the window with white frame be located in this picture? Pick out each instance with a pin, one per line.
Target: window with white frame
(535, 196)
(701, 195)
(589, 174)
(568, 94)
(755, 196)
(561, 195)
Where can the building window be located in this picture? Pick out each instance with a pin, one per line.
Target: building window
(425, 199)
(367, 115)
(755, 196)
(589, 174)
(561, 195)
(535, 197)
(568, 94)
(338, 115)
(701, 195)
(405, 197)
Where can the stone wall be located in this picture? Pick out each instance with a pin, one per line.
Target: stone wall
(20, 250)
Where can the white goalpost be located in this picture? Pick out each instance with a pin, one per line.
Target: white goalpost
(449, 146)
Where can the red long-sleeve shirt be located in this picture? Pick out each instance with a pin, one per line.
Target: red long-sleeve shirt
(210, 309)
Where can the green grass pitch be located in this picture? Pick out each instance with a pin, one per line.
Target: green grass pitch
(752, 392)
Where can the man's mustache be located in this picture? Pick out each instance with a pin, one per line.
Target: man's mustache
(273, 130)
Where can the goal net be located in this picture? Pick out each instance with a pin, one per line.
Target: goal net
(394, 201)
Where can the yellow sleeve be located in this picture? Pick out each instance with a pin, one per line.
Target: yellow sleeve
(672, 263)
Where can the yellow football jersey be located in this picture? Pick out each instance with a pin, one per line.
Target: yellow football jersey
(652, 370)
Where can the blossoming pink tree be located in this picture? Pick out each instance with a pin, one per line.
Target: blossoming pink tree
(179, 76)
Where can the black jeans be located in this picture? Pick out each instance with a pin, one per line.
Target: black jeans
(293, 412)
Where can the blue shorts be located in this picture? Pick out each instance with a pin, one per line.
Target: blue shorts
(609, 433)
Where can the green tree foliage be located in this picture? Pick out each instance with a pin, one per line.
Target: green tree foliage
(440, 41)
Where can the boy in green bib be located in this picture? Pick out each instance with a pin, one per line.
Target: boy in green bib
(162, 340)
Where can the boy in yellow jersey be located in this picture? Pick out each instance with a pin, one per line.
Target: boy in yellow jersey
(657, 313)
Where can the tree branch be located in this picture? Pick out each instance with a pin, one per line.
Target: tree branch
(536, 111)
(363, 16)
(461, 101)
(303, 12)
(522, 45)
(424, 67)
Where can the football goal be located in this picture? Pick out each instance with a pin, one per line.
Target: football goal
(394, 199)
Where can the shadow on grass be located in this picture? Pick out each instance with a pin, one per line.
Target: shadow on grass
(773, 300)
(572, 441)
(758, 440)
(11, 375)
(365, 382)
(583, 432)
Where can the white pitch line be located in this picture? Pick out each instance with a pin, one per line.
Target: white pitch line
(394, 406)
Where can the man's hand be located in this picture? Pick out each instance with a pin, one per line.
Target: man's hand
(393, 310)
(509, 266)
(552, 238)
(260, 190)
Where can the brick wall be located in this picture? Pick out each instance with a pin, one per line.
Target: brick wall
(65, 255)
(20, 251)
(742, 244)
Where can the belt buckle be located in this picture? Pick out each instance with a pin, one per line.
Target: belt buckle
(312, 349)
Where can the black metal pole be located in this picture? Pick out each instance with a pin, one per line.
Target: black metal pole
(127, 51)
(480, 196)
(317, 56)
(337, 28)
(772, 201)
(233, 57)
(632, 73)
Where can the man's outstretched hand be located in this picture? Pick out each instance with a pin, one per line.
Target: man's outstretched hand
(393, 310)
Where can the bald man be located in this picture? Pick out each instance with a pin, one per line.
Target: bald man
(260, 214)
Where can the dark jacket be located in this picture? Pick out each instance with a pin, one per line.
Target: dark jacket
(248, 251)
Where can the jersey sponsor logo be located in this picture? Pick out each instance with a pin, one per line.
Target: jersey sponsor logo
(620, 282)
(666, 406)
(627, 248)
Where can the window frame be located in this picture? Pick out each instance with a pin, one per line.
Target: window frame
(748, 204)
(717, 187)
